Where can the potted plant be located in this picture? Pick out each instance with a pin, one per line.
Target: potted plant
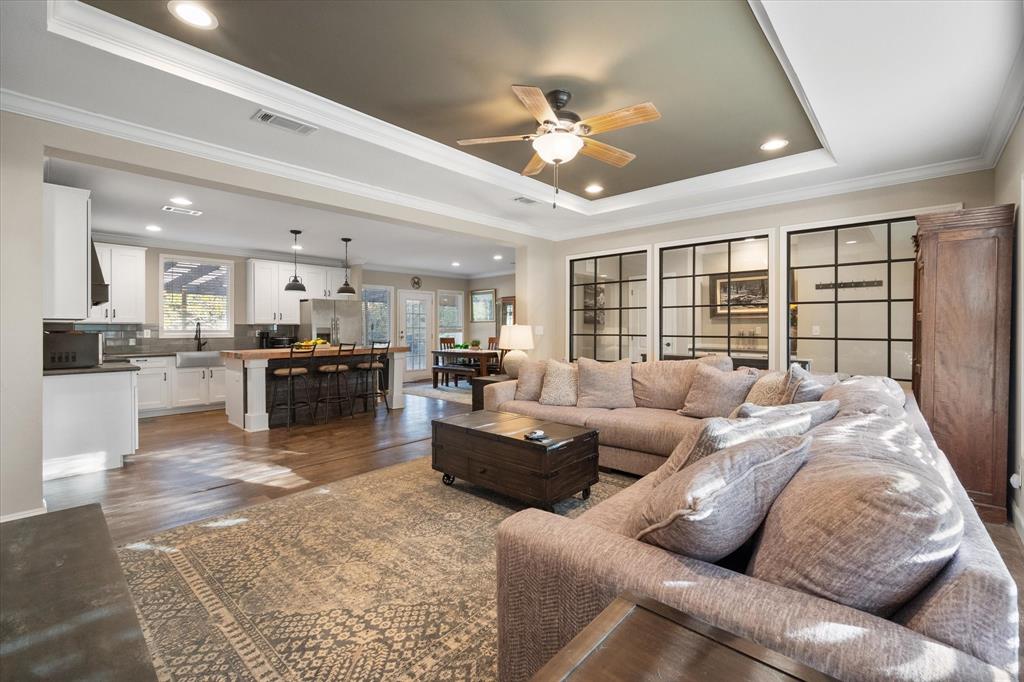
(475, 344)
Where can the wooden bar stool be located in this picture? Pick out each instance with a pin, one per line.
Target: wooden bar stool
(373, 375)
(300, 362)
(338, 370)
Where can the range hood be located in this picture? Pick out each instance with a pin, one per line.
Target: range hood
(100, 290)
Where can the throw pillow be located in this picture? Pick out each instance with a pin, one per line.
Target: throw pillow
(770, 389)
(803, 386)
(865, 532)
(812, 413)
(663, 384)
(531, 379)
(605, 384)
(708, 510)
(868, 395)
(561, 381)
(715, 393)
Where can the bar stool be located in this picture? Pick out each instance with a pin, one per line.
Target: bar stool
(373, 376)
(336, 370)
(300, 361)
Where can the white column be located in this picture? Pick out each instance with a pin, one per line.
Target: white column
(397, 374)
(234, 391)
(256, 418)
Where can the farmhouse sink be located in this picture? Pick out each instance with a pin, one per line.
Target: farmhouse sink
(199, 358)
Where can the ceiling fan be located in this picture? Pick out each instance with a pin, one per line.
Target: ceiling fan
(562, 134)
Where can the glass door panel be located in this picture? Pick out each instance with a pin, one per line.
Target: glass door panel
(416, 324)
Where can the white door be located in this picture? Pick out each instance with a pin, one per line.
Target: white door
(127, 285)
(217, 390)
(191, 386)
(416, 330)
(99, 314)
(154, 388)
(264, 292)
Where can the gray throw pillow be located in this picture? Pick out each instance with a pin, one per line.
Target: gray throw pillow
(605, 384)
(663, 384)
(715, 393)
(531, 379)
(869, 533)
(815, 413)
(803, 386)
(708, 510)
(561, 381)
(868, 395)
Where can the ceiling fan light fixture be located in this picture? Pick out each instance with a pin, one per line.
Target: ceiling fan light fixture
(558, 146)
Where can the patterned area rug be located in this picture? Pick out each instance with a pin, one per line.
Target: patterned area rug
(388, 575)
(463, 394)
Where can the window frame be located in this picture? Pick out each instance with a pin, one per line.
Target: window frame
(184, 334)
(391, 309)
(461, 329)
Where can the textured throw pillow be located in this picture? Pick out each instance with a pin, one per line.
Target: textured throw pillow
(803, 386)
(708, 510)
(867, 533)
(868, 395)
(560, 384)
(769, 389)
(715, 393)
(605, 384)
(663, 384)
(531, 379)
(814, 413)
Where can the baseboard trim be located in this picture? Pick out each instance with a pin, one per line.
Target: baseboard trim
(25, 514)
(143, 414)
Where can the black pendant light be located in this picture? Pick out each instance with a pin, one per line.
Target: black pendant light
(294, 283)
(346, 288)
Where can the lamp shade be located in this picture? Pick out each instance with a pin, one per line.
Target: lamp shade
(516, 337)
(558, 146)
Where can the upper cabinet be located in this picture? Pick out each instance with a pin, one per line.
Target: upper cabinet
(66, 253)
(124, 269)
(266, 300)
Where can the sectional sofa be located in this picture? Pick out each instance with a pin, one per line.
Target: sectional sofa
(556, 574)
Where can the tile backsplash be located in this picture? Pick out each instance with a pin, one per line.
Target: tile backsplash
(117, 338)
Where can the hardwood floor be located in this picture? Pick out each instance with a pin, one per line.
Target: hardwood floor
(194, 466)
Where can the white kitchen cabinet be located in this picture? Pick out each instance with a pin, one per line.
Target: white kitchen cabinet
(314, 278)
(266, 300)
(124, 269)
(217, 385)
(335, 278)
(67, 253)
(262, 291)
(155, 379)
(287, 301)
(191, 387)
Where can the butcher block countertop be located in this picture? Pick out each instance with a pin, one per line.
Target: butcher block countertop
(282, 353)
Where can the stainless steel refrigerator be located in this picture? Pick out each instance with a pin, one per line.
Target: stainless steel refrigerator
(337, 321)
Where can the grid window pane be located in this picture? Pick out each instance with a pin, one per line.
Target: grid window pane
(804, 284)
(608, 269)
(866, 242)
(634, 321)
(857, 277)
(902, 280)
(863, 357)
(608, 302)
(902, 238)
(677, 321)
(583, 321)
(674, 348)
(677, 261)
(703, 286)
(902, 358)
(582, 347)
(583, 271)
(376, 313)
(862, 321)
(812, 248)
(819, 355)
(708, 322)
(606, 321)
(677, 291)
(633, 347)
(749, 254)
(903, 320)
(607, 348)
(710, 346)
(711, 258)
(747, 325)
(634, 266)
(634, 294)
(808, 320)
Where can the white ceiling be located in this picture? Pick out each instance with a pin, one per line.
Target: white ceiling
(124, 203)
(900, 91)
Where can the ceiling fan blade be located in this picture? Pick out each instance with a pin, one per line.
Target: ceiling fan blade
(535, 166)
(492, 140)
(535, 102)
(622, 118)
(596, 149)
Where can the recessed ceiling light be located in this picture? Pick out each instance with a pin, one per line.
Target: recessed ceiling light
(297, 247)
(774, 144)
(497, 256)
(154, 228)
(180, 201)
(593, 188)
(455, 263)
(193, 14)
(852, 241)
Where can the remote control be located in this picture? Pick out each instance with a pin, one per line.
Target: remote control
(535, 435)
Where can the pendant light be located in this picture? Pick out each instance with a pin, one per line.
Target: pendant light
(294, 283)
(346, 288)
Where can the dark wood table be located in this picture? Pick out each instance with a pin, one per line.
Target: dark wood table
(488, 449)
(481, 356)
(642, 639)
(479, 383)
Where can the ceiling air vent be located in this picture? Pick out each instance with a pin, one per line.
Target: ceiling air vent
(291, 124)
(525, 200)
(181, 211)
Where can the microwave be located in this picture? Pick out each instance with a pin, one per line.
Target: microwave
(72, 350)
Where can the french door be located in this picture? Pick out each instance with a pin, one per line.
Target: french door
(416, 330)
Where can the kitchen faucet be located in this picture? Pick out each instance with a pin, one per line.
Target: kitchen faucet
(199, 338)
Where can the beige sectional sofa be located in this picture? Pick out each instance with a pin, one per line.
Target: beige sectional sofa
(556, 574)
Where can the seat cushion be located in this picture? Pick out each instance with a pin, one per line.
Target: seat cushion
(370, 365)
(577, 416)
(715, 393)
(709, 510)
(644, 429)
(334, 369)
(663, 384)
(294, 371)
(605, 384)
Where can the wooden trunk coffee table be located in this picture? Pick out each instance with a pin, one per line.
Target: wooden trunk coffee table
(488, 449)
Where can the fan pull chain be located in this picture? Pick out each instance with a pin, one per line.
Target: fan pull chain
(554, 200)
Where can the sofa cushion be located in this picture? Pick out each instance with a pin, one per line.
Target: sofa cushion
(664, 383)
(769, 389)
(644, 429)
(577, 416)
(869, 533)
(561, 382)
(864, 395)
(815, 413)
(605, 384)
(531, 379)
(715, 393)
(708, 510)
(803, 386)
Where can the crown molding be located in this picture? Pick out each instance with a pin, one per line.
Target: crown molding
(1008, 112)
(209, 249)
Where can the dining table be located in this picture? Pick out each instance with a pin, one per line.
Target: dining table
(482, 357)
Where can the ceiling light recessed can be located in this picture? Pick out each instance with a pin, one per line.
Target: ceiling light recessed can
(498, 256)
(154, 228)
(180, 201)
(774, 144)
(593, 188)
(455, 263)
(852, 241)
(193, 14)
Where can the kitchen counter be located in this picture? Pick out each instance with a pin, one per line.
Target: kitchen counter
(146, 354)
(282, 353)
(107, 366)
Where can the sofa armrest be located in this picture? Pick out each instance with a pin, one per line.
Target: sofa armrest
(501, 392)
(555, 575)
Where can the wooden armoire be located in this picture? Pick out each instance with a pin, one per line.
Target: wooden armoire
(963, 298)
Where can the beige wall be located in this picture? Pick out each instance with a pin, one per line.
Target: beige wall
(1009, 189)
(504, 285)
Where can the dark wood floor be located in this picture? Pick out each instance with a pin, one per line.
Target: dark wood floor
(194, 466)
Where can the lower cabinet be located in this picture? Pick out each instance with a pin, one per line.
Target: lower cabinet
(162, 386)
(191, 387)
(155, 382)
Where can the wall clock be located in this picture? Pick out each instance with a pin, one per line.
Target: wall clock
(416, 282)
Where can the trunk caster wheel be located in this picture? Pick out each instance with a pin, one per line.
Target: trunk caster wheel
(585, 494)
(447, 479)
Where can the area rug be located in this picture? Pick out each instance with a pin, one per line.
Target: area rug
(462, 394)
(389, 575)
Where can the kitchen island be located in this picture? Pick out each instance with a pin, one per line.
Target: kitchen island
(246, 381)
